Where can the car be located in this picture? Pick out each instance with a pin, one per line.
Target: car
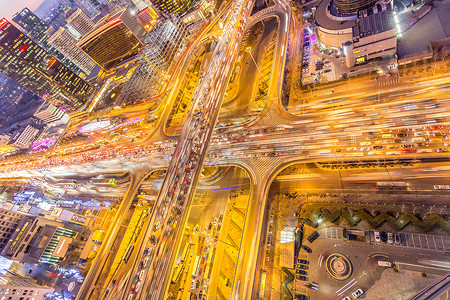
(377, 237)
(301, 272)
(383, 236)
(193, 285)
(397, 238)
(347, 298)
(302, 278)
(357, 293)
(303, 267)
(390, 238)
(313, 236)
(306, 248)
(301, 297)
(303, 261)
(138, 285)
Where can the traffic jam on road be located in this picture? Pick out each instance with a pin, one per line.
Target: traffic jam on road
(187, 160)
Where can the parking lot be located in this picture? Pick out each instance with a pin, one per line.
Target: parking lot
(417, 240)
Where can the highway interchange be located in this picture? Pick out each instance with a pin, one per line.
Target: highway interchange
(404, 121)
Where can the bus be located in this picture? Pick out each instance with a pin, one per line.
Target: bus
(185, 252)
(195, 271)
(210, 263)
(177, 273)
(128, 253)
(400, 185)
(442, 187)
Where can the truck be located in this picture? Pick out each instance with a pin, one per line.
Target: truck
(386, 264)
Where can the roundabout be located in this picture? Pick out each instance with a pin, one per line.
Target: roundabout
(339, 266)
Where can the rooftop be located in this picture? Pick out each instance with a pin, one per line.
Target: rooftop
(374, 23)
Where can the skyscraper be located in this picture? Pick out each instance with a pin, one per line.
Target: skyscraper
(67, 45)
(24, 61)
(147, 18)
(80, 22)
(173, 6)
(32, 24)
(115, 41)
(37, 30)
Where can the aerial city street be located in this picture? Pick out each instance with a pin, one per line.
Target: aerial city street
(224, 149)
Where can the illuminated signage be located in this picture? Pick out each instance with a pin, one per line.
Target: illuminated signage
(79, 219)
(3, 22)
(113, 22)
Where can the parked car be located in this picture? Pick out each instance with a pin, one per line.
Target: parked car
(303, 261)
(390, 238)
(301, 272)
(306, 248)
(377, 237)
(357, 293)
(313, 236)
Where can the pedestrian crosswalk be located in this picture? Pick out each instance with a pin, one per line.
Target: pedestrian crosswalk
(386, 82)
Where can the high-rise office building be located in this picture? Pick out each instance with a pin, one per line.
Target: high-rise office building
(32, 24)
(115, 41)
(20, 287)
(39, 31)
(140, 4)
(9, 221)
(147, 18)
(80, 22)
(163, 43)
(24, 61)
(39, 240)
(173, 6)
(50, 114)
(24, 138)
(67, 45)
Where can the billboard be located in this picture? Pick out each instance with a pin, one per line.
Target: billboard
(79, 219)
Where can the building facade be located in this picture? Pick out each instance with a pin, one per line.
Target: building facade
(144, 83)
(164, 42)
(80, 22)
(32, 24)
(39, 31)
(9, 221)
(50, 114)
(173, 6)
(67, 45)
(39, 240)
(23, 288)
(25, 62)
(115, 41)
(147, 18)
(23, 139)
(364, 35)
